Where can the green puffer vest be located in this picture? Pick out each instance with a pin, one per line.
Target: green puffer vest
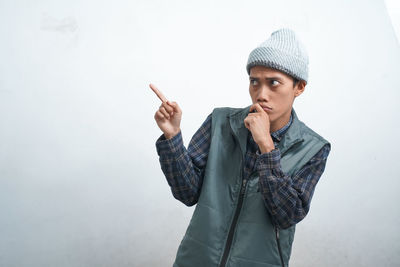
(230, 225)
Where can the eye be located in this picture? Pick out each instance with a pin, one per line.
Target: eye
(274, 83)
(253, 82)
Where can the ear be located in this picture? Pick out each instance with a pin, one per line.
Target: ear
(299, 89)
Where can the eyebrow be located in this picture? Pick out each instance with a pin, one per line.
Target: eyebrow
(266, 78)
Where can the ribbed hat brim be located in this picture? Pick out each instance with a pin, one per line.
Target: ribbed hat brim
(277, 59)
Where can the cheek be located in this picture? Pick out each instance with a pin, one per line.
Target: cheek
(283, 98)
(252, 94)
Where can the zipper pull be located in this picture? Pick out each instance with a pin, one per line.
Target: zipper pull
(243, 186)
(277, 232)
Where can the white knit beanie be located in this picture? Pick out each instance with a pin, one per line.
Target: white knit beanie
(282, 51)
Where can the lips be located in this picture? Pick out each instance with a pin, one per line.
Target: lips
(266, 108)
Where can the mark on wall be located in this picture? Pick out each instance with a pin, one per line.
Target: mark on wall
(62, 33)
(63, 25)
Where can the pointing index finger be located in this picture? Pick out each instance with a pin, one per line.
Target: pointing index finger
(257, 107)
(158, 93)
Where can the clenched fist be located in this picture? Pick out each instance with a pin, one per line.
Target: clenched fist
(259, 126)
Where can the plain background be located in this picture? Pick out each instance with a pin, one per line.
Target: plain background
(80, 181)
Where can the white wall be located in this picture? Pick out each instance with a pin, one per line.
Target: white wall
(80, 182)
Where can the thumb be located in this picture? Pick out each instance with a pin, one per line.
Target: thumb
(246, 123)
(175, 106)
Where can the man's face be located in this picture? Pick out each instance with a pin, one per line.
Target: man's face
(275, 92)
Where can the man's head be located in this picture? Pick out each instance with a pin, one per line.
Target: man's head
(278, 73)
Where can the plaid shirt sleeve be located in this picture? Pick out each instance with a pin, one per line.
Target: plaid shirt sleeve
(184, 168)
(288, 198)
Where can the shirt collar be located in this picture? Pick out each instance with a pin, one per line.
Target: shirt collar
(277, 135)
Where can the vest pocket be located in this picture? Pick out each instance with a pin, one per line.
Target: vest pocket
(253, 185)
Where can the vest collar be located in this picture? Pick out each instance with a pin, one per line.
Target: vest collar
(292, 136)
(236, 120)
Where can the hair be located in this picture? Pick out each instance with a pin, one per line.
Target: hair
(295, 81)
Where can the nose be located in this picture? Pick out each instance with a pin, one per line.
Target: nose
(264, 94)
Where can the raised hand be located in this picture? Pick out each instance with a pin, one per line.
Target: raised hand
(168, 116)
(259, 126)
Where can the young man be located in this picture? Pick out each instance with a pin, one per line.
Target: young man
(251, 171)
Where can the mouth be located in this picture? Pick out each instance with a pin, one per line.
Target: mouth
(266, 108)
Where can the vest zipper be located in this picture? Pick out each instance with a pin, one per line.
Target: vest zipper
(234, 222)
(279, 245)
(238, 207)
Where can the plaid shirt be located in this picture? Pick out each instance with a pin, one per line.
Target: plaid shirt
(286, 198)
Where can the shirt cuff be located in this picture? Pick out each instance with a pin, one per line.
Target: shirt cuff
(169, 147)
(269, 160)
